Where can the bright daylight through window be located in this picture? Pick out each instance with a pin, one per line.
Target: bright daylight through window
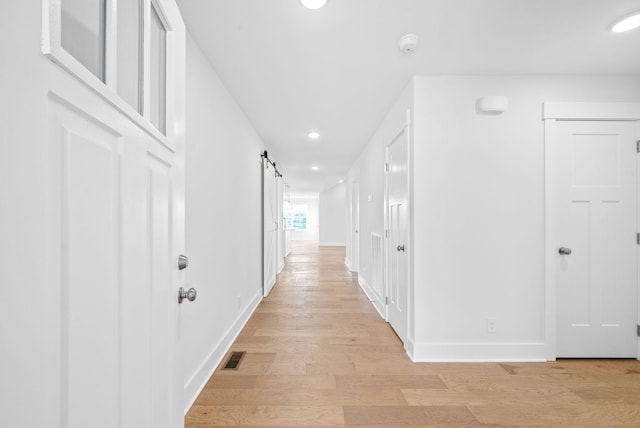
(296, 217)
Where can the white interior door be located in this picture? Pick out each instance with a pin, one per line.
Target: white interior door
(115, 223)
(397, 239)
(355, 223)
(270, 220)
(596, 260)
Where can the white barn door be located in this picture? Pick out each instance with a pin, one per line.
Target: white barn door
(270, 224)
(281, 252)
(115, 194)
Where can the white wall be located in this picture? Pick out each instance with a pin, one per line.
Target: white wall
(223, 229)
(332, 207)
(313, 217)
(479, 211)
(24, 318)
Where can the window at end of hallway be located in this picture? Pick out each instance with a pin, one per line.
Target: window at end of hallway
(296, 217)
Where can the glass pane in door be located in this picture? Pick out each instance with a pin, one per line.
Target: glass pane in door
(83, 33)
(158, 84)
(129, 52)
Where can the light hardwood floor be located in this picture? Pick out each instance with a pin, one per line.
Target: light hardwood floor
(318, 354)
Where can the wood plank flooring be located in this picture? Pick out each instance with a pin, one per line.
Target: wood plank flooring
(318, 354)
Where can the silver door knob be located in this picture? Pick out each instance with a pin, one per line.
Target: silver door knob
(564, 251)
(183, 261)
(400, 248)
(190, 294)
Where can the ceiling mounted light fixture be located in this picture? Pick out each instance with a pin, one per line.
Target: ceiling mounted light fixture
(627, 23)
(315, 168)
(313, 4)
(313, 135)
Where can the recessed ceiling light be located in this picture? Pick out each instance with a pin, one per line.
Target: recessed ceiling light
(315, 168)
(340, 181)
(313, 4)
(627, 23)
(314, 135)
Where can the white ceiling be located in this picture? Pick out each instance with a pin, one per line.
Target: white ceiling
(338, 70)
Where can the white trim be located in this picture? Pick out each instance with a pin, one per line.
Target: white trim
(550, 198)
(347, 263)
(553, 112)
(194, 385)
(591, 111)
(442, 352)
(367, 291)
(409, 333)
(110, 66)
(269, 286)
(331, 244)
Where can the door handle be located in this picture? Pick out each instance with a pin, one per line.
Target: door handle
(190, 294)
(564, 251)
(400, 248)
(183, 261)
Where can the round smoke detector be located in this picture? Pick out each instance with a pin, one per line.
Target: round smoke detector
(408, 43)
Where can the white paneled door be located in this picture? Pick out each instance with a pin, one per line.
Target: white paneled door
(596, 255)
(397, 236)
(115, 198)
(270, 231)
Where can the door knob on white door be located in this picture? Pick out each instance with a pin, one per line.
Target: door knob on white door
(564, 251)
(400, 248)
(183, 261)
(190, 294)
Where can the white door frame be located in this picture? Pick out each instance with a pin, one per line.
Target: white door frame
(559, 111)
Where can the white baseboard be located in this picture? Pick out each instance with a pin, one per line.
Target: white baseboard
(195, 385)
(270, 285)
(374, 300)
(332, 244)
(347, 263)
(437, 352)
(281, 267)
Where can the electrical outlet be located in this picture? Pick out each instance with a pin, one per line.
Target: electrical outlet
(491, 325)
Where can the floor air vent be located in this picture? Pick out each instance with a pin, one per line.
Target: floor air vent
(234, 361)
